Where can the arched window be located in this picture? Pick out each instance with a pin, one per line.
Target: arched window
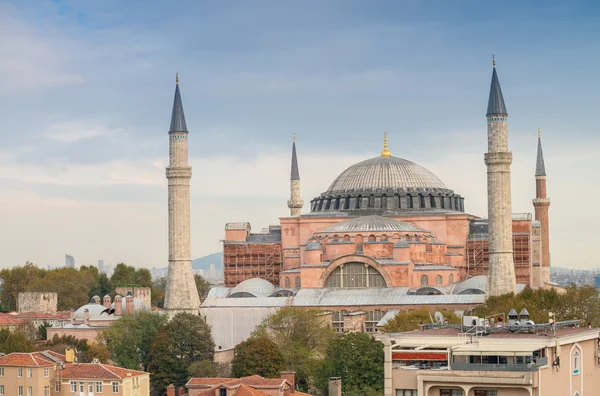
(383, 238)
(335, 238)
(297, 283)
(451, 278)
(424, 280)
(355, 275)
(576, 363)
(372, 238)
(287, 283)
(346, 238)
(438, 280)
(432, 201)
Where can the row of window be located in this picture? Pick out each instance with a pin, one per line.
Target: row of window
(99, 389)
(416, 202)
(447, 392)
(438, 280)
(29, 372)
(177, 137)
(21, 389)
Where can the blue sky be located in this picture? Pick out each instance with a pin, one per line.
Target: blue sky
(87, 89)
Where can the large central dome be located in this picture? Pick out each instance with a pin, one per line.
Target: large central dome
(383, 173)
(386, 186)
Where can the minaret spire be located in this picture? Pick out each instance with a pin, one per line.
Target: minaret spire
(295, 203)
(540, 168)
(501, 268)
(541, 204)
(181, 294)
(386, 152)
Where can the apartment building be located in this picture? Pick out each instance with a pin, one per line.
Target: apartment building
(559, 359)
(49, 373)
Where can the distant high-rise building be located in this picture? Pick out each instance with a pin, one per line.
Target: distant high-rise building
(69, 261)
(212, 271)
(101, 265)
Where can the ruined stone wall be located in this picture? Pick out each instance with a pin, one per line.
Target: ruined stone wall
(40, 302)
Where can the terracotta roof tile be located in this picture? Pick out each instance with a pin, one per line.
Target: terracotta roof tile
(34, 315)
(209, 381)
(97, 371)
(25, 359)
(10, 320)
(245, 390)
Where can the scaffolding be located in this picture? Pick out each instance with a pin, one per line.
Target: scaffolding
(478, 256)
(244, 260)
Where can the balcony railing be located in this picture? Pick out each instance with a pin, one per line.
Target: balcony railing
(542, 361)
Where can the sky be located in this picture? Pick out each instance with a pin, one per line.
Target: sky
(86, 91)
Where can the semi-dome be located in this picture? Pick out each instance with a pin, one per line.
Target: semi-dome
(386, 185)
(372, 224)
(384, 173)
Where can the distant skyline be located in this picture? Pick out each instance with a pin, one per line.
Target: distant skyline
(87, 89)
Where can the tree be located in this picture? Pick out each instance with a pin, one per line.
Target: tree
(70, 285)
(158, 292)
(203, 368)
(203, 286)
(17, 280)
(182, 341)
(98, 351)
(14, 341)
(123, 275)
(129, 338)
(358, 359)
(257, 355)
(302, 335)
(407, 321)
(42, 332)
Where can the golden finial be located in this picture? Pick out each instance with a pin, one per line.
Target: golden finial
(176, 78)
(293, 138)
(385, 152)
(493, 61)
(539, 133)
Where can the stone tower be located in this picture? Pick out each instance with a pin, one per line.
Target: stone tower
(295, 203)
(501, 272)
(181, 294)
(541, 204)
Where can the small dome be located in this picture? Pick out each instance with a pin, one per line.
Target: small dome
(255, 286)
(83, 326)
(107, 296)
(372, 224)
(383, 173)
(93, 309)
(314, 246)
(118, 296)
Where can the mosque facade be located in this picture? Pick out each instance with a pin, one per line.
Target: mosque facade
(389, 222)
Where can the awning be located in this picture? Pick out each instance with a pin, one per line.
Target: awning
(419, 356)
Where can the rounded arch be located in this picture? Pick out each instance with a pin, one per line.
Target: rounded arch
(372, 238)
(439, 280)
(354, 258)
(576, 374)
(451, 278)
(424, 280)
(287, 282)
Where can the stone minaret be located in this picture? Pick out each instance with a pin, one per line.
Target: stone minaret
(181, 294)
(501, 272)
(541, 204)
(295, 203)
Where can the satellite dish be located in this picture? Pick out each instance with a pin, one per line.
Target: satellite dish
(439, 318)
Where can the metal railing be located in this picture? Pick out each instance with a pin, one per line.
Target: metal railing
(528, 367)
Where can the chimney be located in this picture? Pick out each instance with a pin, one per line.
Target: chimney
(106, 301)
(70, 355)
(119, 306)
(86, 316)
(96, 299)
(181, 391)
(289, 376)
(171, 390)
(129, 304)
(335, 386)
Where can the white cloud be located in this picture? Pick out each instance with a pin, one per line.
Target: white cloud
(72, 131)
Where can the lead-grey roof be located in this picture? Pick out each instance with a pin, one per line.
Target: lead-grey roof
(177, 116)
(372, 224)
(496, 101)
(540, 168)
(384, 173)
(295, 172)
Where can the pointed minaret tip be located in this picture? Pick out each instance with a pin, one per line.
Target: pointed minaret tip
(386, 152)
(295, 174)
(496, 106)
(540, 167)
(177, 116)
